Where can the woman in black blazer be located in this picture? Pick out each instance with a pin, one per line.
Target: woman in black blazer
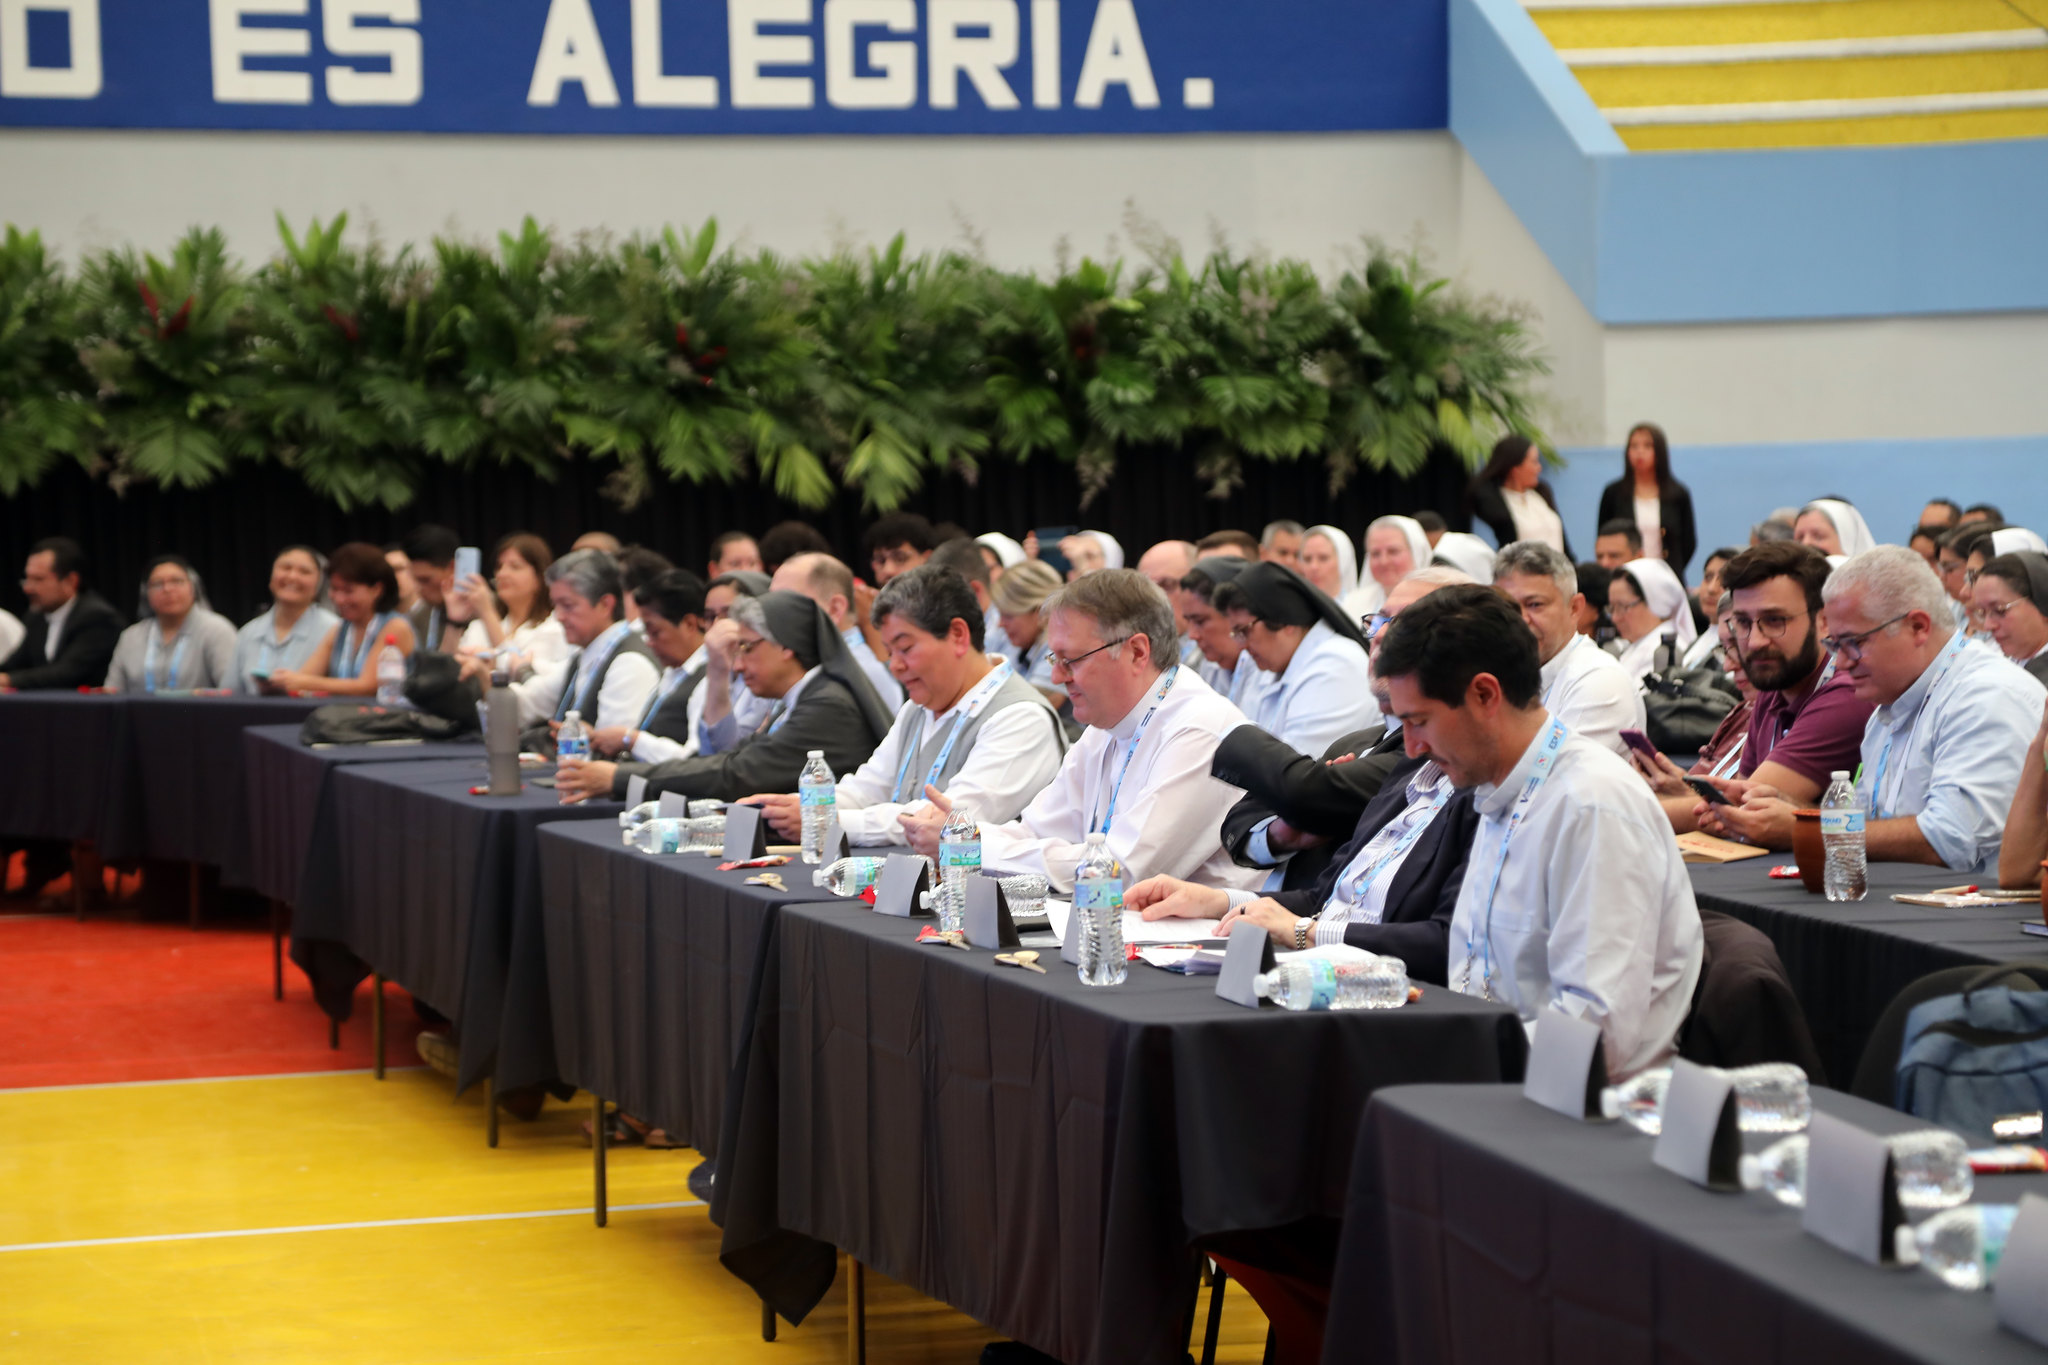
(1515, 467)
(1646, 472)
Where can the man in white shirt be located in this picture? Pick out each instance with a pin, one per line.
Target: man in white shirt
(610, 677)
(1140, 774)
(1575, 897)
(1583, 685)
(1314, 654)
(671, 619)
(972, 728)
(829, 583)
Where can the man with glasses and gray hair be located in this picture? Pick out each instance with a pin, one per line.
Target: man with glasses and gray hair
(1140, 772)
(1942, 751)
(612, 675)
(1583, 685)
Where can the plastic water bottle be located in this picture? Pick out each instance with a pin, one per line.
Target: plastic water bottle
(848, 876)
(1099, 917)
(1932, 1166)
(391, 674)
(572, 741)
(959, 859)
(668, 834)
(818, 795)
(1770, 1097)
(1841, 833)
(1962, 1246)
(1329, 983)
(630, 820)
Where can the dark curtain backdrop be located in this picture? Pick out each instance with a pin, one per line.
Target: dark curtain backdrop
(231, 531)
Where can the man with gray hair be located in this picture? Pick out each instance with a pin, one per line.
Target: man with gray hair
(1942, 752)
(612, 675)
(1583, 685)
(829, 583)
(1140, 773)
(1280, 543)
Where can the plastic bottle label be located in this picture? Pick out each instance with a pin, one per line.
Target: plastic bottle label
(1100, 894)
(962, 856)
(1322, 978)
(820, 794)
(1841, 822)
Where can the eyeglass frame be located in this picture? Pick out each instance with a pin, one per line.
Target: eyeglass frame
(1850, 646)
(1740, 627)
(1058, 662)
(1373, 624)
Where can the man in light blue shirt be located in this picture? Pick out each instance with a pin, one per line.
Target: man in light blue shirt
(1942, 752)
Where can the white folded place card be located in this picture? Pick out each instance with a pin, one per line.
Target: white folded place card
(2021, 1289)
(902, 882)
(1567, 1066)
(1852, 1199)
(833, 847)
(1701, 1140)
(746, 834)
(673, 806)
(636, 790)
(987, 915)
(1250, 952)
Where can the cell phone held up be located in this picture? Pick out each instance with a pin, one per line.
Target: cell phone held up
(1640, 742)
(1706, 791)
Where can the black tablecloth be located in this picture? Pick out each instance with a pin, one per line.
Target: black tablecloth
(190, 779)
(651, 966)
(1481, 1228)
(416, 878)
(285, 782)
(69, 771)
(1848, 959)
(1040, 1154)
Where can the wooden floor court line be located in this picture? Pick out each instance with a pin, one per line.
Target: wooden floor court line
(343, 1227)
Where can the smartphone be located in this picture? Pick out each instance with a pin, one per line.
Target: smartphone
(1049, 538)
(469, 560)
(1640, 742)
(1706, 791)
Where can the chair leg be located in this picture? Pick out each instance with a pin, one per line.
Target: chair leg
(856, 1311)
(1272, 1347)
(767, 1322)
(377, 1021)
(490, 1112)
(1216, 1285)
(597, 1151)
(192, 882)
(276, 949)
(333, 1035)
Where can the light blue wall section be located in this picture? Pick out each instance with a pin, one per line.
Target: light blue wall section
(1889, 481)
(1682, 237)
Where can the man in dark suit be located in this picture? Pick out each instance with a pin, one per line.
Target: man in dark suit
(71, 632)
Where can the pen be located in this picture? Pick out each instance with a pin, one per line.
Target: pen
(1953, 891)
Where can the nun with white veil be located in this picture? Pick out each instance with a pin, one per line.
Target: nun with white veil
(1394, 548)
(1467, 553)
(1327, 560)
(1834, 528)
(2013, 540)
(1656, 626)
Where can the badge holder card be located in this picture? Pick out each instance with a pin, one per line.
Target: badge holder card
(901, 886)
(746, 837)
(1249, 953)
(636, 791)
(1701, 1139)
(987, 922)
(1567, 1066)
(1852, 1195)
(834, 846)
(2021, 1289)
(672, 806)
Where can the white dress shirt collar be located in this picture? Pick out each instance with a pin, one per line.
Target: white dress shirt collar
(1902, 711)
(1495, 798)
(55, 632)
(1127, 724)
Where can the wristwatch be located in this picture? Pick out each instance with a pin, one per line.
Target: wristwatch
(1301, 931)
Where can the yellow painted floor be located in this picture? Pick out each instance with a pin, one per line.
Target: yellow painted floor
(517, 1271)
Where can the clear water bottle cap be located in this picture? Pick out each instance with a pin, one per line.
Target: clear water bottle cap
(1750, 1171)
(1839, 775)
(573, 715)
(1096, 837)
(816, 753)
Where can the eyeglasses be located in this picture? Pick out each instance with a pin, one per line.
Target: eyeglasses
(1061, 661)
(1617, 605)
(1850, 647)
(1374, 624)
(1998, 610)
(166, 584)
(1244, 633)
(744, 647)
(1771, 625)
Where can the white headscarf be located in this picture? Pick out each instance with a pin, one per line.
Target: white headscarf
(1850, 527)
(1665, 596)
(1007, 550)
(1411, 531)
(1112, 553)
(1467, 553)
(2013, 539)
(1347, 558)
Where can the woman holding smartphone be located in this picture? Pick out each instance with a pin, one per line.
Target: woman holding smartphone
(511, 613)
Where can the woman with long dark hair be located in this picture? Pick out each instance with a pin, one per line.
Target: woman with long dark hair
(1648, 495)
(1514, 499)
(365, 593)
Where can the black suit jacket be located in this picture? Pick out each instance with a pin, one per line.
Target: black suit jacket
(1484, 501)
(1417, 924)
(83, 652)
(1309, 794)
(825, 717)
(1674, 513)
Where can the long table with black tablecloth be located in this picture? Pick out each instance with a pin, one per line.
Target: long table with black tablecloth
(652, 963)
(190, 780)
(411, 874)
(1482, 1229)
(1846, 960)
(1041, 1154)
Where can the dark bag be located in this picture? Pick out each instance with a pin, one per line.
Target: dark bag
(356, 723)
(1973, 1058)
(435, 684)
(1685, 706)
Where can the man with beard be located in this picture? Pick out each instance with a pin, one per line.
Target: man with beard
(1807, 722)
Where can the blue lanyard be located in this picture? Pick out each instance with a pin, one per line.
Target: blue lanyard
(968, 710)
(593, 656)
(351, 665)
(154, 647)
(662, 693)
(1419, 820)
(1884, 756)
(1109, 816)
(1546, 759)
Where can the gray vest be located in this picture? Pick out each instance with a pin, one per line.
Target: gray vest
(586, 705)
(1015, 692)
